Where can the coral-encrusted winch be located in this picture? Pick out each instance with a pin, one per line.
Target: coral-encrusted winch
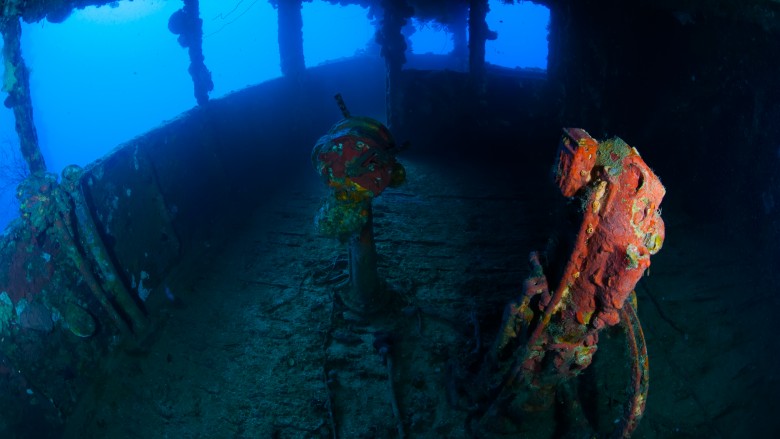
(356, 159)
(551, 332)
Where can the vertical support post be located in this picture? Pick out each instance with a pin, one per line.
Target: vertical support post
(478, 34)
(291, 38)
(16, 82)
(458, 25)
(201, 77)
(393, 43)
(187, 24)
(364, 292)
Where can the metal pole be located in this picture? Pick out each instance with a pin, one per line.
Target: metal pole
(458, 26)
(364, 293)
(186, 23)
(393, 51)
(16, 82)
(478, 34)
(291, 38)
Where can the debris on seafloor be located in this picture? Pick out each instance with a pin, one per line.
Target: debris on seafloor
(383, 344)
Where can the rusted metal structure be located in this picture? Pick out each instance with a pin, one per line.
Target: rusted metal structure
(80, 282)
(187, 24)
(356, 159)
(290, 31)
(16, 82)
(550, 334)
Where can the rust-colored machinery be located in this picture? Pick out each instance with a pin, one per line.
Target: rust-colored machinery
(356, 159)
(550, 333)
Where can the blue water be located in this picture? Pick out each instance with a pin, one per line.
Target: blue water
(107, 74)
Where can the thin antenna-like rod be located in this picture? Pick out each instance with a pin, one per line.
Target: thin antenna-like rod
(342, 105)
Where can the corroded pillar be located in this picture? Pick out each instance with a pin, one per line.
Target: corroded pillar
(393, 43)
(291, 38)
(16, 82)
(364, 293)
(187, 24)
(458, 25)
(478, 35)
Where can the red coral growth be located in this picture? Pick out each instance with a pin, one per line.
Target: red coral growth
(621, 227)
